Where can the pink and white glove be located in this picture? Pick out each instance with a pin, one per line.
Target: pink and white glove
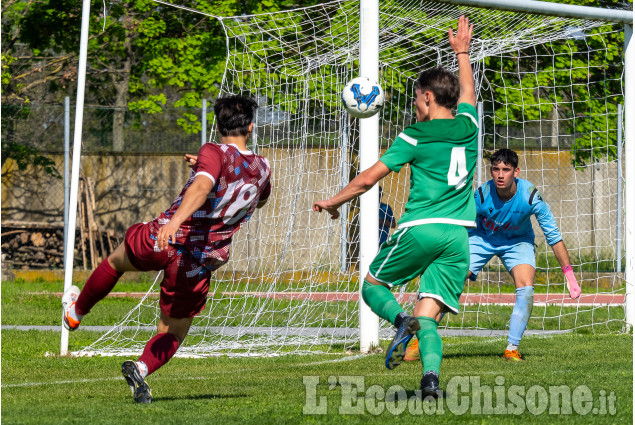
(572, 283)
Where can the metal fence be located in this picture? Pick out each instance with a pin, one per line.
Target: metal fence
(136, 182)
(42, 127)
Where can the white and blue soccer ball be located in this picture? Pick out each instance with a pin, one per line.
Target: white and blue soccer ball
(362, 98)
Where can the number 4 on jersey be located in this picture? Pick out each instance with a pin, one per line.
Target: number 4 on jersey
(457, 174)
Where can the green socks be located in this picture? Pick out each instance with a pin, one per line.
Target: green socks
(430, 344)
(384, 304)
(381, 301)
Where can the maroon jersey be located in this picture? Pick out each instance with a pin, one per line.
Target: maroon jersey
(241, 180)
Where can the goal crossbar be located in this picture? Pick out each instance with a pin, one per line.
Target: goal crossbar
(551, 9)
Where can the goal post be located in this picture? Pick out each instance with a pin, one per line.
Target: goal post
(629, 158)
(368, 154)
(547, 86)
(69, 248)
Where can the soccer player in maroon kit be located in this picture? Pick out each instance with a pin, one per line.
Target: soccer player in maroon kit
(188, 241)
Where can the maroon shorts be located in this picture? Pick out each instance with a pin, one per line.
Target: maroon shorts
(185, 282)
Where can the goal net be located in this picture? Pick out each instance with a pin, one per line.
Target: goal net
(547, 87)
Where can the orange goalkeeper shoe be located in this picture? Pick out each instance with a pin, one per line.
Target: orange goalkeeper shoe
(412, 351)
(513, 356)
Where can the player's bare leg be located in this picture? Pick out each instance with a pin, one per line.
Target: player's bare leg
(177, 327)
(523, 275)
(119, 260)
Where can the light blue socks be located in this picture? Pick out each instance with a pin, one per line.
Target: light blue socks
(520, 316)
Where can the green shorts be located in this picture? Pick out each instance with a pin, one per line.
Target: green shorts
(439, 253)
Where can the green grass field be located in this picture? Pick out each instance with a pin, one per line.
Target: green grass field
(41, 389)
(19, 297)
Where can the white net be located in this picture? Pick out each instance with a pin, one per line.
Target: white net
(549, 88)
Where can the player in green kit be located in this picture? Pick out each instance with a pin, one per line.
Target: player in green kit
(431, 239)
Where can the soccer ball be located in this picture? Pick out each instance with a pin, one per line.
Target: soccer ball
(362, 98)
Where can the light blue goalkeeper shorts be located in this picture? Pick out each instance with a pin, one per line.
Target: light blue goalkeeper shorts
(511, 255)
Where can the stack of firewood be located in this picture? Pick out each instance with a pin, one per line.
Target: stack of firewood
(32, 245)
(27, 245)
(35, 245)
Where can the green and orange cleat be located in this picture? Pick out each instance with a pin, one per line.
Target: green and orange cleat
(513, 356)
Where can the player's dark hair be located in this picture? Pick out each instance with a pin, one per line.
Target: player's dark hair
(506, 156)
(234, 114)
(443, 84)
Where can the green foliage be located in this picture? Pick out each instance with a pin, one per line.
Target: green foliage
(148, 57)
(579, 79)
(7, 60)
(152, 105)
(25, 156)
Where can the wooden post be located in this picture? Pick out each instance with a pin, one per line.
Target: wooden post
(82, 233)
(90, 222)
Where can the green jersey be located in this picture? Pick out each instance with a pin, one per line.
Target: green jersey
(442, 156)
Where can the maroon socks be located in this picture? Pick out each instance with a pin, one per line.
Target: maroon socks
(159, 350)
(98, 285)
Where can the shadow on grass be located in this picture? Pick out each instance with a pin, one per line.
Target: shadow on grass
(479, 355)
(428, 399)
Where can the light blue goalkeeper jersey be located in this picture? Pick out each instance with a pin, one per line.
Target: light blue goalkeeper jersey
(504, 223)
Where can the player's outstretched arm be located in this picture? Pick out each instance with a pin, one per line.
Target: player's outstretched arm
(194, 198)
(560, 250)
(461, 46)
(359, 185)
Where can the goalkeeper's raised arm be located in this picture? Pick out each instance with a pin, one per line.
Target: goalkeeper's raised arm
(461, 46)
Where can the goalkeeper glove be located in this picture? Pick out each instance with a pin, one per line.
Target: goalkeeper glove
(572, 283)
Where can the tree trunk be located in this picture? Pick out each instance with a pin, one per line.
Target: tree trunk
(117, 129)
(121, 82)
(555, 131)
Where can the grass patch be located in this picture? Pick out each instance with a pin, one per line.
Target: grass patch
(34, 304)
(40, 389)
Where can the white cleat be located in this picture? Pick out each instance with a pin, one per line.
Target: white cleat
(68, 299)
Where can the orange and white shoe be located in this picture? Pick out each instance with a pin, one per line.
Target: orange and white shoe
(412, 351)
(513, 356)
(68, 300)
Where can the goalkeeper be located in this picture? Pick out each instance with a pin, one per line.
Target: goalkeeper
(504, 206)
(188, 241)
(431, 238)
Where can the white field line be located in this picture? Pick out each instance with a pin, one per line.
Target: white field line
(69, 381)
(198, 378)
(202, 378)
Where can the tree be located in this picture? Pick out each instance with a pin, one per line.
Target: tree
(142, 55)
(24, 74)
(580, 75)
